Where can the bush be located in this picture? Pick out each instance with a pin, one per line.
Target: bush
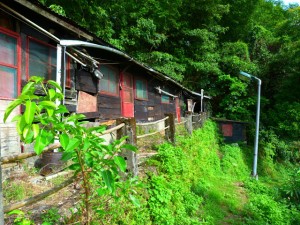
(232, 162)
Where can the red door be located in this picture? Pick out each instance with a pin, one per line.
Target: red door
(177, 105)
(127, 95)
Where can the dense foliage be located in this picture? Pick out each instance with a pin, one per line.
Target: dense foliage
(204, 44)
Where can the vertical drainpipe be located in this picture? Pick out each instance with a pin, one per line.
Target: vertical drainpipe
(58, 65)
(58, 75)
(63, 77)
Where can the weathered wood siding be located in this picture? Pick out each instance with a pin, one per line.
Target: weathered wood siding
(153, 108)
(9, 137)
(109, 106)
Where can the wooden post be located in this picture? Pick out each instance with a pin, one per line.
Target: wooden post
(129, 130)
(170, 132)
(189, 122)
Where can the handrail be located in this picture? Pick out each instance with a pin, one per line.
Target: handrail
(13, 158)
(111, 130)
(149, 134)
(152, 123)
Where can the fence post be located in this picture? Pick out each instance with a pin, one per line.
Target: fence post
(170, 133)
(189, 122)
(129, 130)
(1, 194)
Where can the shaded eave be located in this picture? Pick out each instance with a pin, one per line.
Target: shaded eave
(87, 36)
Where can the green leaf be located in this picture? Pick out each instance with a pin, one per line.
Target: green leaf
(74, 166)
(29, 112)
(129, 147)
(120, 161)
(102, 191)
(50, 111)
(67, 156)
(10, 108)
(40, 144)
(108, 179)
(135, 201)
(62, 109)
(21, 125)
(73, 144)
(36, 130)
(16, 118)
(86, 144)
(51, 93)
(27, 88)
(55, 84)
(36, 79)
(64, 140)
(16, 211)
(26, 131)
(48, 104)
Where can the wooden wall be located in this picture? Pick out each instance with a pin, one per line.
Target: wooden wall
(109, 107)
(153, 108)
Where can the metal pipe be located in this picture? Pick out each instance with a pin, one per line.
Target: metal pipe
(256, 130)
(63, 80)
(166, 93)
(92, 45)
(58, 64)
(77, 60)
(255, 157)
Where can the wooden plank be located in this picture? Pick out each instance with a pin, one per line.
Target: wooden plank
(86, 82)
(86, 103)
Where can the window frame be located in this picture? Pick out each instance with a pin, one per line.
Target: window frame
(68, 61)
(30, 38)
(117, 73)
(161, 97)
(18, 59)
(135, 89)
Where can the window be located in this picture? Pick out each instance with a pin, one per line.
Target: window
(165, 98)
(227, 130)
(109, 82)
(9, 64)
(41, 59)
(141, 89)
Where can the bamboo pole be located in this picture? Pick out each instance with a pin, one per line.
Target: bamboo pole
(146, 135)
(30, 201)
(13, 158)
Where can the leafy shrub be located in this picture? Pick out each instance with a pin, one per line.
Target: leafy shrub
(232, 162)
(173, 160)
(263, 209)
(291, 187)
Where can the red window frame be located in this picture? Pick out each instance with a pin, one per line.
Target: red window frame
(135, 89)
(117, 93)
(18, 66)
(68, 61)
(29, 39)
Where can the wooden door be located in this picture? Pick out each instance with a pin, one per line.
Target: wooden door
(177, 105)
(127, 102)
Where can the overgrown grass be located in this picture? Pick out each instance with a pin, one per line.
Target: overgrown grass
(204, 181)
